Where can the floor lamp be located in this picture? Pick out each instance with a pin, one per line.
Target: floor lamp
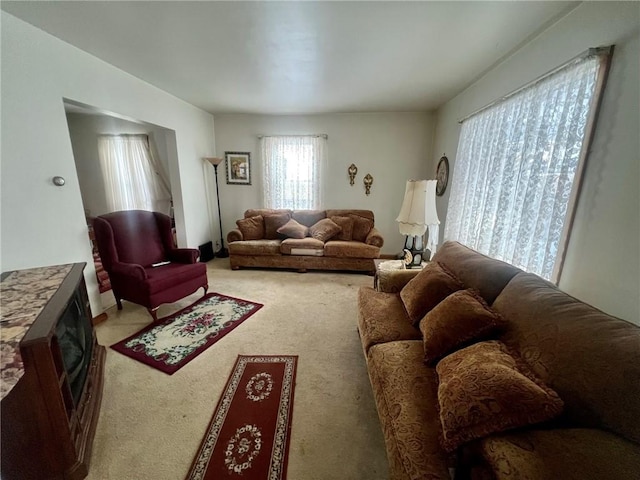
(215, 161)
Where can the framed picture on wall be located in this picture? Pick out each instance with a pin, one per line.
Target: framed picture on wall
(238, 166)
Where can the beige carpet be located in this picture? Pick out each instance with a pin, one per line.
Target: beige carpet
(151, 424)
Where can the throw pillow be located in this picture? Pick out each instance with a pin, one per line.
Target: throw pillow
(346, 224)
(460, 318)
(252, 228)
(324, 229)
(361, 228)
(293, 229)
(427, 289)
(272, 223)
(483, 389)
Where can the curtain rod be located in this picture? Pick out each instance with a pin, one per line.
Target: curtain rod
(322, 135)
(591, 52)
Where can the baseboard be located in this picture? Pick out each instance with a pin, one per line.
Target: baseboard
(99, 319)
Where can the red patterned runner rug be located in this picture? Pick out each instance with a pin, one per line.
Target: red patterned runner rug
(248, 437)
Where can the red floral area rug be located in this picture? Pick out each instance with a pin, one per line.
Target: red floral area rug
(248, 437)
(172, 342)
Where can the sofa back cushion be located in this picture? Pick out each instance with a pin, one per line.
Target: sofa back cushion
(346, 225)
(308, 218)
(590, 358)
(363, 222)
(486, 275)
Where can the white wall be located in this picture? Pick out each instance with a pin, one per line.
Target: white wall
(392, 147)
(602, 266)
(84, 130)
(43, 224)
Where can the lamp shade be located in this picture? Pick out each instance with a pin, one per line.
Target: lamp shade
(215, 161)
(418, 207)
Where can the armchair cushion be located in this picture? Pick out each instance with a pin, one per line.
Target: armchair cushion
(161, 278)
(184, 255)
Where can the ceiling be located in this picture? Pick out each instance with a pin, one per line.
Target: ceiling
(298, 57)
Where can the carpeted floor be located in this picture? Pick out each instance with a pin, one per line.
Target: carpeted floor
(151, 424)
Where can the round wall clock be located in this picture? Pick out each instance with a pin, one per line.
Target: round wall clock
(442, 176)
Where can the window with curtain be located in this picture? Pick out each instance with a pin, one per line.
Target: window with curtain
(133, 178)
(518, 167)
(293, 167)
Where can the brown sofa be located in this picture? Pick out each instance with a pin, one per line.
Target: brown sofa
(354, 249)
(591, 359)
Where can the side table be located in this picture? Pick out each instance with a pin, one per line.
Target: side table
(391, 275)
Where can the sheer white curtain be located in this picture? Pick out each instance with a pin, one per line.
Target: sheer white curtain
(133, 178)
(515, 170)
(293, 171)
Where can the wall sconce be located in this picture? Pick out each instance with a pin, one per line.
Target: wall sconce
(353, 170)
(368, 181)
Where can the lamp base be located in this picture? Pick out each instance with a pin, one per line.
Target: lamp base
(413, 252)
(222, 253)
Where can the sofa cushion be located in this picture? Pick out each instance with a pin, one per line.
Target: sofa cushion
(405, 394)
(483, 390)
(252, 212)
(273, 222)
(293, 229)
(566, 453)
(590, 358)
(361, 227)
(461, 318)
(346, 225)
(428, 288)
(167, 276)
(308, 217)
(252, 228)
(303, 243)
(382, 318)
(475, 270)
(255, 247)
(337, 248)
(324, 230)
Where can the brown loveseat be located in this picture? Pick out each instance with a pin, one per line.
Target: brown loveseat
(259, 240)
(591, 359)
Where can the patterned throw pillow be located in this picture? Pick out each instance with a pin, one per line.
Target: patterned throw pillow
(252, 228)
(272, 223)
(483, 389)
(293, 229)
(324, 229)
(361, 227)
(346, 224)
(456, 321)
(427, 289)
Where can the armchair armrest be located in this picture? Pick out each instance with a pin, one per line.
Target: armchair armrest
(374, 238)
(234, 235)
(129, 270)
(184, 255)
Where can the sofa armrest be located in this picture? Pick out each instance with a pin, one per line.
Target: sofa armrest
(129, 270)
(374, 238)
(184, 255)
(234, 235)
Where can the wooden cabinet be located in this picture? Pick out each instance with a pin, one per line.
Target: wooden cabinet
(49, 417)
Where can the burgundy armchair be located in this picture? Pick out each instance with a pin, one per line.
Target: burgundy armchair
(130, 242)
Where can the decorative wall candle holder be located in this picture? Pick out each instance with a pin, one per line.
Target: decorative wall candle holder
(352, 170)
(368, 181)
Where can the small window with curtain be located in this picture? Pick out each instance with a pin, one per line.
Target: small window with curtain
(293, 167)
(519, 164)
(134, 179)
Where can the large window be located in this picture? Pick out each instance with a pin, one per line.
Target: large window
(518, 167)
(133, 178)
(293, 168)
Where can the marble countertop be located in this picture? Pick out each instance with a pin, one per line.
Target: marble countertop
(23, 295)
